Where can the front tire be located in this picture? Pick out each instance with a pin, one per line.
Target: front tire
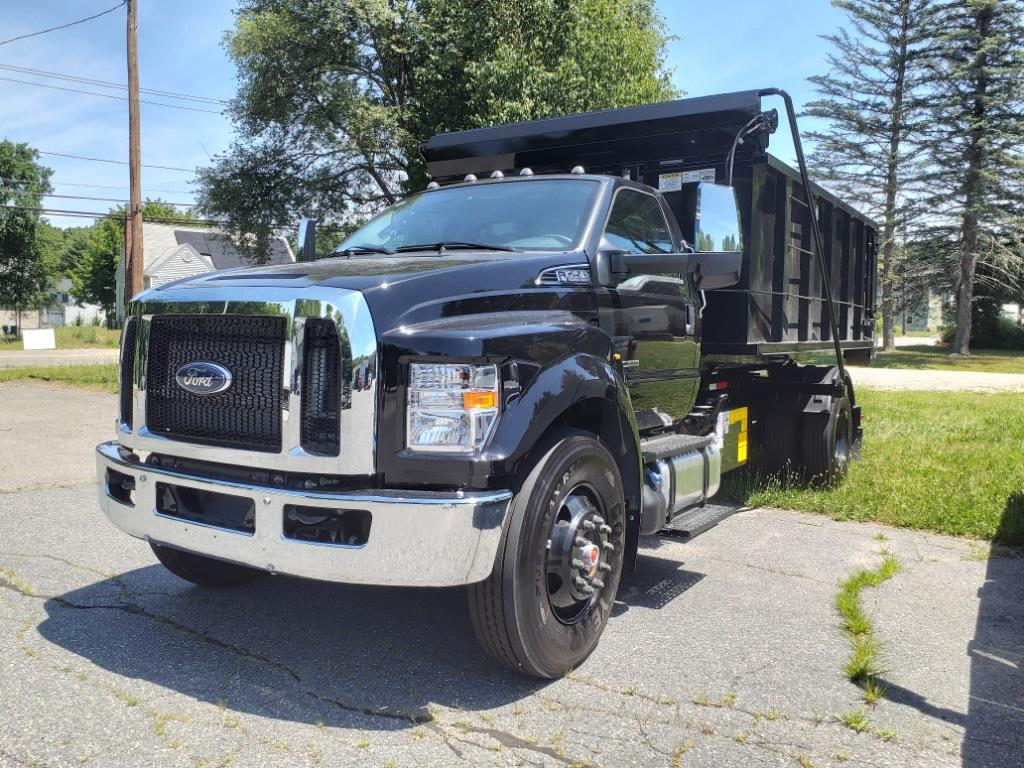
(204, 571)
(543, 608)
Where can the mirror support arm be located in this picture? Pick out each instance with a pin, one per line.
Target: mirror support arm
(826, 282)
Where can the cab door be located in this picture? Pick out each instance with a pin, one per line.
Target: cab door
(653, 318)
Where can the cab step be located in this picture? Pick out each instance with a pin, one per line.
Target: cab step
(663, 446)
(694, 522)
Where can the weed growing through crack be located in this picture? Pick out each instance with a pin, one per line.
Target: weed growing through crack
(864, 666)
(856, 720)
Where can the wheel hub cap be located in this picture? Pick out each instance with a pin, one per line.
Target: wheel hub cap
(577, 555)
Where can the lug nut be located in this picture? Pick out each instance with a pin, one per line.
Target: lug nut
(609, 546)
(588, 525)
(576, 563)
(587, 590)
(597, 583)
(605, 528)
(598, 519)
(581, 542)
(579, 582)
(605, 567)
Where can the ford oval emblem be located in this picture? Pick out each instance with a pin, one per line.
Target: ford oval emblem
(202, 378)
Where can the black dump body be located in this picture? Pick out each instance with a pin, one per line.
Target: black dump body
(778, 307)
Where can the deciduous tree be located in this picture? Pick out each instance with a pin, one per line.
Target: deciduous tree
(337, 95)
(23, 182)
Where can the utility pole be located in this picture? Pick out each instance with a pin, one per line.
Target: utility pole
(134, 263)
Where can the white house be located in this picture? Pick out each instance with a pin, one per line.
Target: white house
(172, 252)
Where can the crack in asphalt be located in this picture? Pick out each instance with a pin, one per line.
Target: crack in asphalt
(135, 609)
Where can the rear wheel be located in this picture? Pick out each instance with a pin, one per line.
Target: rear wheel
(543, 608)
(828, 443)
(204, 571)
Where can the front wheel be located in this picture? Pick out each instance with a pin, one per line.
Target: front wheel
(544, 606)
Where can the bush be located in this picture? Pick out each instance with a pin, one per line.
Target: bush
(990, 329)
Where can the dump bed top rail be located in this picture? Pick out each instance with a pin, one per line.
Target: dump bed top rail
(698, 127)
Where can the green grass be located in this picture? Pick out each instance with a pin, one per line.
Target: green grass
(936, 358)
(864, 665)
(74, 337)
(98, 377)
(951, 462)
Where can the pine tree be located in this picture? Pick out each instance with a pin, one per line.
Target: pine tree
(977, 152)
(874, 100)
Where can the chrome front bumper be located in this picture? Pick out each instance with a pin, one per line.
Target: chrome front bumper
(416, 539)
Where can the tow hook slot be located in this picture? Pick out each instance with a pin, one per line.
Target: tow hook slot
(121, 487)
(340, 527)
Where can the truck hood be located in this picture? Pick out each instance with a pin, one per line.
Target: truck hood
(403, 289)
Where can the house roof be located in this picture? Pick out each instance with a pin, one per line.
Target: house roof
(160, 239)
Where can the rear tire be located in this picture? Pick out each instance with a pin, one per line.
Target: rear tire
(533, 613)
(204, 571)
(828, 443)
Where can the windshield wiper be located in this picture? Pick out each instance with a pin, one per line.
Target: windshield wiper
(346, 252)
(445, 245)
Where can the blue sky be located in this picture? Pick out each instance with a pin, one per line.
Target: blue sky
(723, 46)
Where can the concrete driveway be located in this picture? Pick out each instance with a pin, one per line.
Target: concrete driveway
(722, 652)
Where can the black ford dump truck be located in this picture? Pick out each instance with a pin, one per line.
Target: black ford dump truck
(508, 379)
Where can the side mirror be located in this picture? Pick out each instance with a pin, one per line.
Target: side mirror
(716, 220)
(307, 240)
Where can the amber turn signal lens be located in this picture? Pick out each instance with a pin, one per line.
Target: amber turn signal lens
(479, 399)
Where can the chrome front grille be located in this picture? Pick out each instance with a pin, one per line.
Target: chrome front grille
(247, 415)
(303, 393)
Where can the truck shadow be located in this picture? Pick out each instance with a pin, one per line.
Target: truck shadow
(302, 651)
(994, 736)
(994, 721)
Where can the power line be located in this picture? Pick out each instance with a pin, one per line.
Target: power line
(114, 200)
(110, 84)
(62, 26)
(44, 211)
(110, 96)
(115, 162)
(25, 183)
(93, 215)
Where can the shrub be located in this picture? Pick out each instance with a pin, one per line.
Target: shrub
(990, 329)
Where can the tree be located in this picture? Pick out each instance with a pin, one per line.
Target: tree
(876, 103)
(94, 274)
(336, 95)
(976, 149)
(23, 182)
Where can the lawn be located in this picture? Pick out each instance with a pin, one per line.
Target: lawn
(936, 358)
(940, 461)
(102, 377)
(74, 337)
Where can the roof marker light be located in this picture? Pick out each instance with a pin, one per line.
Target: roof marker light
(526, 172)
(470, 177)
(433, 185)
(497, 175)
(577, 170)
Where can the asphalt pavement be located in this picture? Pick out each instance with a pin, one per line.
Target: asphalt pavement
(724, 651)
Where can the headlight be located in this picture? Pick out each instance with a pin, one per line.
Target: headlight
(450, 407)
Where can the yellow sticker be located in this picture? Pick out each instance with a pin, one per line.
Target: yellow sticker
(739, 416)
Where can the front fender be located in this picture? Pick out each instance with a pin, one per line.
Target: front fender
(555, 390)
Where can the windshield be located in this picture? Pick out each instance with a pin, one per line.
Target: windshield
(545, 214)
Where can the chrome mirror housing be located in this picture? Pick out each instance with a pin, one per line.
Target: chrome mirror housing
(717, 220)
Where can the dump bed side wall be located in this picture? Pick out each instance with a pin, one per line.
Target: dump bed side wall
(779, 306)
